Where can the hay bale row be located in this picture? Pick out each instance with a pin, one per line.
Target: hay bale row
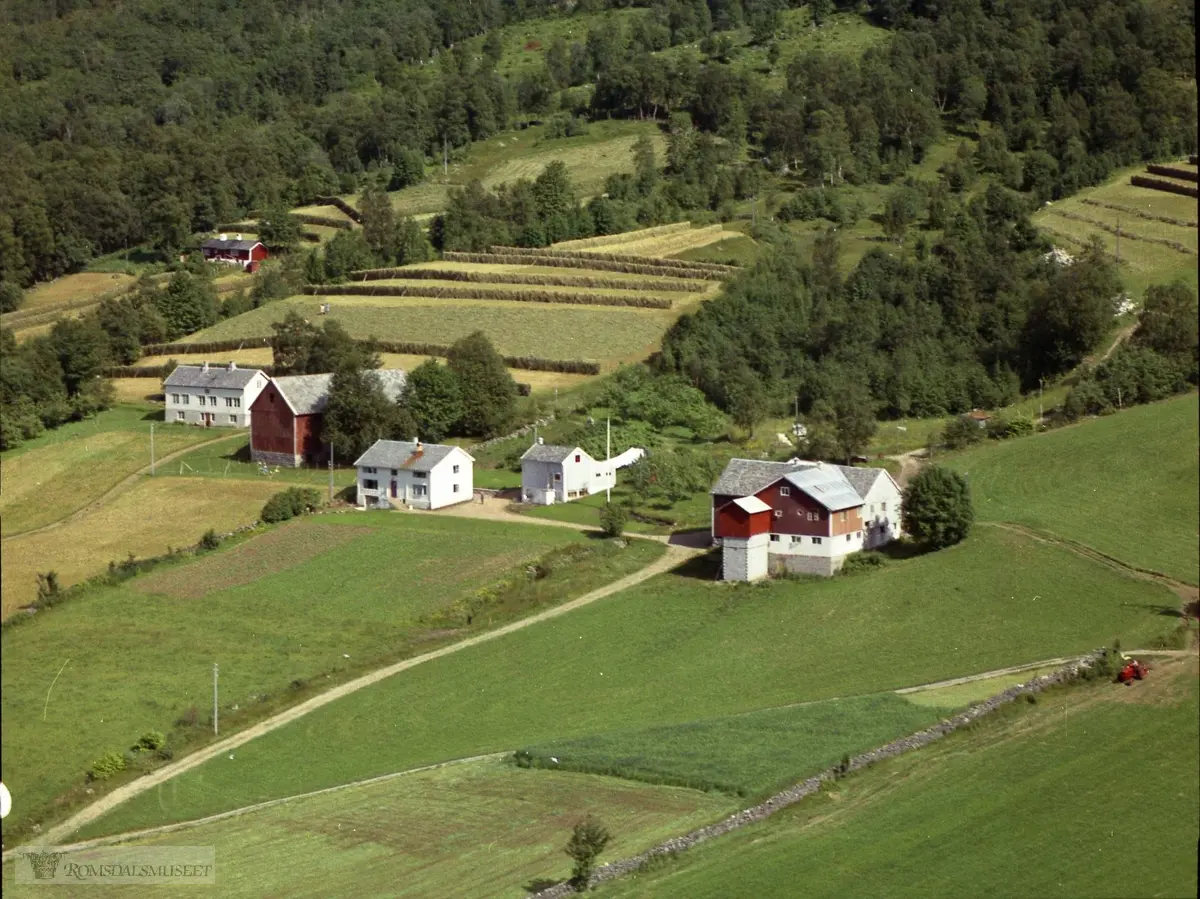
(325, 220)
(482, 293)
(341, 204)
(612, 257)
(584, 243)
(601, 265)
(1137, 213)
(675, 243)
(1105, 226)
(671, 285)
(1171, 187)
(1173, 171)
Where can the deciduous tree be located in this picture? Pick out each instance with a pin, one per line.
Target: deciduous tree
(937, 508)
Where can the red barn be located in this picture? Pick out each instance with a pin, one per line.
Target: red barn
(246, 253)
(287, 418)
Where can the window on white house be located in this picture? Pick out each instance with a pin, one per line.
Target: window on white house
(419, 490)
(233, 419)
(369, 470)
(420, 474)
(455, 470)
(179, 416)
(557, 476)
(774, 538)
(779, 513)
(848, 536)
(370, 484)
(797, 539)
(228, 402)
(237, 402)
(186, 399)
(576, 457)
(816, 539)
(883, 506)
(393, 472)
(785, 491)
(859, 535)
(175, 398)
(454, 489)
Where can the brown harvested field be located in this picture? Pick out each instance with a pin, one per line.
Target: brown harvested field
(666, 244)
(74, 288)
(271, 553)
(153, 514)
(138, 390)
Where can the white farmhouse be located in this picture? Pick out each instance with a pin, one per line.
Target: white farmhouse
(551, 474)
(412, 473)
(216, 396)
(881, 497)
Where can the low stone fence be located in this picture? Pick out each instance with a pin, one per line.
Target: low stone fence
(540, 423)
(813, 784)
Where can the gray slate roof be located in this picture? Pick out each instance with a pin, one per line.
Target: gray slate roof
(216, 376)
(861, 479)
(216, 244)
(743, 477)
(308, 394)
(403, 454)
(547, 452)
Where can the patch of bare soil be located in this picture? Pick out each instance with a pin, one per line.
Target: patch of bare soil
(271, 553)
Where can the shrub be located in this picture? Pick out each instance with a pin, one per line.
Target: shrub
(961, 432)
(150, 741)
(588, 840)
(867, 560)
(1014, 426)
(209, 541)
(613, 518)
(106, 766)
(290, 503)
(47, 586)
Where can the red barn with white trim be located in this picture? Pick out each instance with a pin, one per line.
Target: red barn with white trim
(245, 253)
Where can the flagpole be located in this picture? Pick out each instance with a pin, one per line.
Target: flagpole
(608, 455)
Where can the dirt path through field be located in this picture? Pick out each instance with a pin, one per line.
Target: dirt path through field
(910, 464)
(120, 487)
(673, 557)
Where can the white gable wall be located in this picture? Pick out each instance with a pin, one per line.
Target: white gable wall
(881, 512)
(439, 487)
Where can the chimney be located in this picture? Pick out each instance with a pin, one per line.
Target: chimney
(222, 237)
(204, 367)
(231, 367)
(540, 441)
(239, 237)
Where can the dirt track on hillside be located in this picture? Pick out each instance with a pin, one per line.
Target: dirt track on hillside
(673, 557)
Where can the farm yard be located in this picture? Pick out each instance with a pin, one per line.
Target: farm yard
(1013, 802)
(271, 637)
(710, 650)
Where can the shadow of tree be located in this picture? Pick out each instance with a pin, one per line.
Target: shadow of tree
(540, 883)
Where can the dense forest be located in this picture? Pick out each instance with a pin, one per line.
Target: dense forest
(146, 121)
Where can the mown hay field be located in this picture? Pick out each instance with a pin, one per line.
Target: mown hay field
(299, 602)
(475, 830)
(73, 289)
(44, 483)
(144, 520)
(664, 244)
(1092, 792)
(598, 333)
(1126, 484)
(680, 648)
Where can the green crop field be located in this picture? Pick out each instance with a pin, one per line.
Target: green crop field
(478, 829)
(1142, 262)
(681, 647)
(517, 329)
(1093, 792)
(48, 479)
(752, 754)
(1127, 485)
(321, 598)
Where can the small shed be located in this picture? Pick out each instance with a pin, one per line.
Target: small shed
(745, 526)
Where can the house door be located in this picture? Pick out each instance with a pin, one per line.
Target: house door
(393, 488)
(208, 419)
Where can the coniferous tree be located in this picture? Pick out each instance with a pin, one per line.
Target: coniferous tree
(433, 397)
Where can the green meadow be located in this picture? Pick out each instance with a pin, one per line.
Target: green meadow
(1091, 792)
(285, 614)
(1126, 484)
(681, 647)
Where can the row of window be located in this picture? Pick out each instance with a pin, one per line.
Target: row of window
(185, 399)
(418, 489)
(775, 538)
(182, 416)
(415, 474)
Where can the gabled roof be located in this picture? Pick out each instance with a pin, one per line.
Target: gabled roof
(548, 452)
(827, 485)
(407, 454)
(751, 504)
(217, 376)
(743, 477)
(861, 479)
(308, 394)
(218, 244)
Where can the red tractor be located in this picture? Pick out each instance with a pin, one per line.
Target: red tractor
(1133, 670)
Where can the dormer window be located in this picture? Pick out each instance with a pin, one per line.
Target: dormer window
(785, 491)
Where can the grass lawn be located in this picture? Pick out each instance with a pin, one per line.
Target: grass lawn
(753, 754)
(1126, 484)
(681, 647)
(308, 600)
(231, 459)
(72, 290)
(1092, 792)
(479, 829)
(44, 483)
(516, 328)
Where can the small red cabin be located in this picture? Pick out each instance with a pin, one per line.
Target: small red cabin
(245, 253)
(743, 517)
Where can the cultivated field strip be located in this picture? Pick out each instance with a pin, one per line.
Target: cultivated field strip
(1130, 235)
(585, 243)
(587, 256)
(626, 265)
(560, 297)
(668, 285)
(1138, 213)
(672, 243)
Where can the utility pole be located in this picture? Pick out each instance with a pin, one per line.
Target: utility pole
(215, 699)
(1119, 404)
(608, 455)
(331, 472)
(445, 157)
(1041, 414)
(151, 449)
(1118, 241)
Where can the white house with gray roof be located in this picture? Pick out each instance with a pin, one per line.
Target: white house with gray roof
(215, 396)
(551, 474)
(415, 474)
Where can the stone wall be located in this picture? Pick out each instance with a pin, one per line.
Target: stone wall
(813, 784)
(287, 460)
(825, 566)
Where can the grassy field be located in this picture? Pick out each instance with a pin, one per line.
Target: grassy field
(681, 647)
(1092, 792)
(144, 520)
(308, 600)
(479, 829)
(749, 755)
(1126, 484)
(519, 329)
(71, 289)
(1142, 262)
(45, 483)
